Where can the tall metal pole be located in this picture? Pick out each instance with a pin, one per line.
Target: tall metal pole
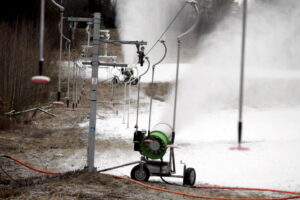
(93, 111)
(128, 107)
(138, 95)
(152, 81)
(176, 90)
(69, 73)
(42, 27)
(73, 88)
(60, 54)
(194, 4)
(87, 30)
(76, 83)
(60, 48)
(242, 75)
(69, 69)
(125, 99)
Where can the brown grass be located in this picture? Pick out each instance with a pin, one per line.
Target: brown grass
(158, 91)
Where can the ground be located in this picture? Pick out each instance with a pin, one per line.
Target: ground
(45, 142)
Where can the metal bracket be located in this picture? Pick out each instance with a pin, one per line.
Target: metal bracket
(119, 42)
(80, 19)
(107, 64)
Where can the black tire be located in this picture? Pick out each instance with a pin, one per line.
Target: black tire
(115, 80)
(140, 173)
(135, 81)
(189, 177)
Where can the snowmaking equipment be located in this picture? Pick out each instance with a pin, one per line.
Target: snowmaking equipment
(156, 143)
(126, 75)
(153, 144)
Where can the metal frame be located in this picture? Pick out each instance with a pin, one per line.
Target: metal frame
(95, 21)
(171, 162)
(60, 46)
(242, 73)
(93, 111)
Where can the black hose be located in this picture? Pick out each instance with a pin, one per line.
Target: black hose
(5, 172)
(160, 174)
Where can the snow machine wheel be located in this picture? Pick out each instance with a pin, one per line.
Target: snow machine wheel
(135, 81)
(140, 173)
(189, 177)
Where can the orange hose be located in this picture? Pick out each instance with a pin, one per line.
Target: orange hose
(185, 194)
(250, 189)
(217, 198)
(32, 168)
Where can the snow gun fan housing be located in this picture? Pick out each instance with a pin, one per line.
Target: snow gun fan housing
(152, 146)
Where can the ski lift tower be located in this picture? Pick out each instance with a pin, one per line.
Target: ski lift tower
(95, 21)
(95, 64)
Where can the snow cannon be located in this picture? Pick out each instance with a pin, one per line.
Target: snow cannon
(155, 145)
(129, 75)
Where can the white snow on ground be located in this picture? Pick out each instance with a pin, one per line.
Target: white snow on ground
(205, 137)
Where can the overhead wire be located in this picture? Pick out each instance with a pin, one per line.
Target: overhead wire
(167, 29)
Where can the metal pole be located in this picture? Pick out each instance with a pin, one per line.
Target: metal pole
(88, 36)
(60, 54)
(242, 75)
(60, 45)
(125, 97)
(76, 83)
(93, 111)
(73, 93)
(138, 106)
(69, 73)
(112, 92)
(176, 88)
(42, 27)
(79, 85)
(194, 4)
(138, 95)
(152, 81)
(128, 96)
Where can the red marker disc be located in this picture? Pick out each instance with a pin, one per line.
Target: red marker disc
(239, 148)
(40, 79)
(58, 103)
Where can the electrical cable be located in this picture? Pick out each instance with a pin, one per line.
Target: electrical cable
(5, 172)
(160, 175)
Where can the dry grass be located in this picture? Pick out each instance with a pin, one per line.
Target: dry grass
(158, 91)
(83, 185)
